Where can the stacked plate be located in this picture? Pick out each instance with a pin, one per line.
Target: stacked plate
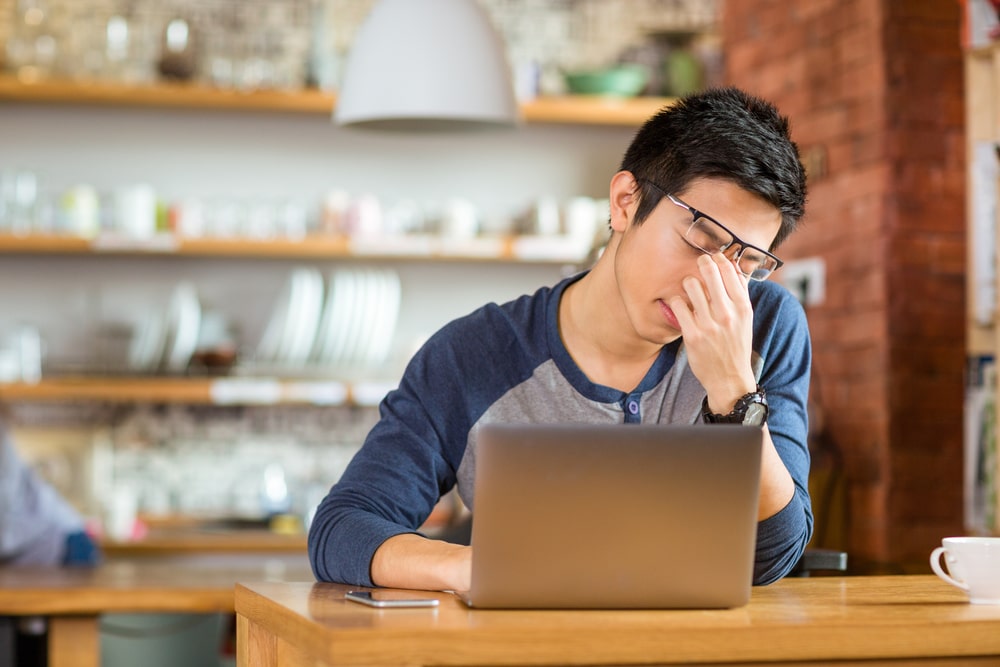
(348, 325)
(359, 318)
(288, 338)
(165, 342)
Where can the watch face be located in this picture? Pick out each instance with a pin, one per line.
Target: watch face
(755, 415)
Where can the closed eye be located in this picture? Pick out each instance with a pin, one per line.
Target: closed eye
(696, 249)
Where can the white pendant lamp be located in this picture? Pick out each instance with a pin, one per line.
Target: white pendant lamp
(426, 65)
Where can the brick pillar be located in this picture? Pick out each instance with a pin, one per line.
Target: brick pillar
(874, 91)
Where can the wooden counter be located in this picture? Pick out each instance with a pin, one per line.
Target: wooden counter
(804, 621)
(187, 542)
(73, 599)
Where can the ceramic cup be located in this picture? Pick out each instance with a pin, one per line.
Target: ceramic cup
(121, 512)
(81, 209)
(135, 210)
(461, 220)
(973, 565)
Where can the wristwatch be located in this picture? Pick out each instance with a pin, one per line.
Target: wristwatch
(750, 410)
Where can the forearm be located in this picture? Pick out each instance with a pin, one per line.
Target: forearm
(413, 561)
(390, 488)
(776, 484)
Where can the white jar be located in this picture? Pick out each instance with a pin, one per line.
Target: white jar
(80, 209)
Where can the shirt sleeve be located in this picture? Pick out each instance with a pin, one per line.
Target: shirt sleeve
(782, 340)
(407, 462)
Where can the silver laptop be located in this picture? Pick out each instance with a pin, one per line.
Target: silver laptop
(614, 517)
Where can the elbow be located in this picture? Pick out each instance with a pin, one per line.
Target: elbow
(341, 544)
(781, 541)
(771, 570)
(321, 547)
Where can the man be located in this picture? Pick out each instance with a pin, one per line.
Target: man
(674, 323)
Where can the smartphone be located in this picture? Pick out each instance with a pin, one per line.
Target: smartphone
(390, 599)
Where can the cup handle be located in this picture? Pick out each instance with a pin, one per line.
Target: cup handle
(939, 571)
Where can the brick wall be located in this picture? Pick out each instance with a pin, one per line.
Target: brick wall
(874, 90)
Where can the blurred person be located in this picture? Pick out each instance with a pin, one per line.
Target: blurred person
(676, 322)
(37, 525)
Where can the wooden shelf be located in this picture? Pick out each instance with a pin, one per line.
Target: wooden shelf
(316, 247)
(114, 390)
(196, 391)
(593, 110)
(44, 244)
(538, 250)
(164, 95)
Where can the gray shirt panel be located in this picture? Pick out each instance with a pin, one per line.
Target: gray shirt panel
(548, 397)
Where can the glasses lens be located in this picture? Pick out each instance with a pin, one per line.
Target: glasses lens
(708, 236)
(756, 265)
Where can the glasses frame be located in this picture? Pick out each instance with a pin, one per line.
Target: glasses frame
(737, 241)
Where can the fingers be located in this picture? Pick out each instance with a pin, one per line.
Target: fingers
(721, 286)
(717, 296)
(722, 276)
(716, 320)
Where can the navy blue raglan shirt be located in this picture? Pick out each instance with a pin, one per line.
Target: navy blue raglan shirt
(507, 363)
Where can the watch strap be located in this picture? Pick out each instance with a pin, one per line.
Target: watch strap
(738, 415)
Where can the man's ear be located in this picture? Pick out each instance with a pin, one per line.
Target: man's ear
(624, 200)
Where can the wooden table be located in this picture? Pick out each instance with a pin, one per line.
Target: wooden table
(898, 620)
(177, 542)
(74, 599)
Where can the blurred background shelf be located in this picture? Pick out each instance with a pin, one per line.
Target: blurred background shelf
(568, 109)
(118, 390)
(164, 94)
(416, 248)
(196, 391)
(595, 110)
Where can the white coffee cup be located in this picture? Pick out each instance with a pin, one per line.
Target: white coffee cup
(582, 221)
(135, 210)
(121, 513)
(973, 565)
(461, 219)
(81, 208)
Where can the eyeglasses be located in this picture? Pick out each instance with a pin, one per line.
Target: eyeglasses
(711, 236)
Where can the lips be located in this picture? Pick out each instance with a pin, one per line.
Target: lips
(668, 314)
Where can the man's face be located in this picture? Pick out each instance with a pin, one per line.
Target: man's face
(653, 258)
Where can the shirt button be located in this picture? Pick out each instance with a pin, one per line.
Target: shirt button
(633, 407)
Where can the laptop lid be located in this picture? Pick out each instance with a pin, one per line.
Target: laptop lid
(614, 516)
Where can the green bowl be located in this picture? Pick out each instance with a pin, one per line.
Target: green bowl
(618, 81)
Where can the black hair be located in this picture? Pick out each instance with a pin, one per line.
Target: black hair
(722, 133)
